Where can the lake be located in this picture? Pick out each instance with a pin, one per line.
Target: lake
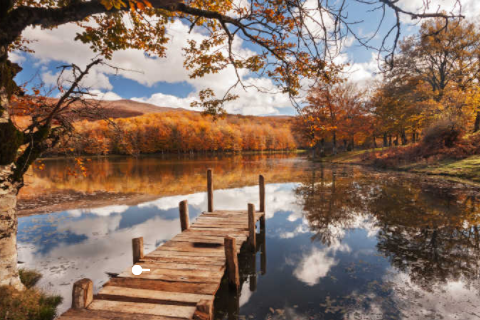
(342, 242)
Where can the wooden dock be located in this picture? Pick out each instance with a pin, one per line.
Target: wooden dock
(185, 272)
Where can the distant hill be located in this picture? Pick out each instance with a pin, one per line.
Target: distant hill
(129, 108)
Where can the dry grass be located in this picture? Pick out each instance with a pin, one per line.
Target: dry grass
(29, 304)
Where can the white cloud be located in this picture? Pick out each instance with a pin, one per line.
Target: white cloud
(316, 264)
(58, 45)
(99, 95)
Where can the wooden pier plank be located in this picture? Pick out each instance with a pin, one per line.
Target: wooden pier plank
(174, 297)
(85, 314)
(170, 286)
(144, 308)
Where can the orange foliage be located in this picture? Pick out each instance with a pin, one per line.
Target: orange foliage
(182, 132)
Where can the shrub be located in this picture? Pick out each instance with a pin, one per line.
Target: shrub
(29, 304)
(443, 133)
(29, 278)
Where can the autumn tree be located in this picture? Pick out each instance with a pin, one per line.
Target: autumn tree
(441, 64)
(336, 112)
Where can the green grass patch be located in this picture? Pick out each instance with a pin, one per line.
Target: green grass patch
(468, 168)
(29, 278)
(29, 304)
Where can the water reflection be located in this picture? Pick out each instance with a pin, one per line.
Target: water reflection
(342, 242)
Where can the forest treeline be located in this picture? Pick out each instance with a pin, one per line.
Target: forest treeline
(181, 132)
(429, 94)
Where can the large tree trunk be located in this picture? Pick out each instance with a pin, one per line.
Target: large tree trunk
(8, 230)
(10, 140)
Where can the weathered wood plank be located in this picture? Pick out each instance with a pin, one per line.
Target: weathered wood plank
(84, 314)
(217, 228)
(182, 276)
(159, 285)
(181, 266)
(144, 308)
(160, 252)
(174, 272)
(152, 295)
(186, 259)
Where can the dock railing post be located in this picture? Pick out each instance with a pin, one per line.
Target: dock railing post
(210, 189)
(184, 219)
(251, 226)
(204, 310)
(82, 293)
(261, 183)
(137, 248)
(232, 262)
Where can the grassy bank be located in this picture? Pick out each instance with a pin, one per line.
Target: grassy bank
(465, 169)
(29, 304)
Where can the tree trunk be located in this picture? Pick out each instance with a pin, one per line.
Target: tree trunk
(477, 122)
(334, 141)
(10, 141)
(390, 140)
(385, 140)
(375, 142)
(414, 136)
(404, 137)
(8, 230)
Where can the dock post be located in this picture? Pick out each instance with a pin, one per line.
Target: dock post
(232, 262)
(251, 226)
(204, 310)
(184, 219)
(210, 189)
(137, 248)
(82, 293)
(261, 183)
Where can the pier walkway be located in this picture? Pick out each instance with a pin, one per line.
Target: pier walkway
(185, 272)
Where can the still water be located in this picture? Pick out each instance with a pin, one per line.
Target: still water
(342, 242)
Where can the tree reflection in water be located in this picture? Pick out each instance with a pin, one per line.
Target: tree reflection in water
(427, 229)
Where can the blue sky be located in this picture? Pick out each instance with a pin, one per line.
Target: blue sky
(164, 82)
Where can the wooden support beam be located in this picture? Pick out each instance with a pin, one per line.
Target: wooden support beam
(204, 310)
(210, 189)
(82, 293)
(184, 219)
(232, 262)
(261, 182)
(251, 226)
(137, 248)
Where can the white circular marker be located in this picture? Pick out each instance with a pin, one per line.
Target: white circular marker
(137, 270)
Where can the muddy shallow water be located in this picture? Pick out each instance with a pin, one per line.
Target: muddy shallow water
(342, 242)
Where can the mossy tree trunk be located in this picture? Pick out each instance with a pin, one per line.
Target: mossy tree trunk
(10, 141)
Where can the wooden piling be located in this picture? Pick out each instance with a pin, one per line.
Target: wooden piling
(82, 293)
(251, 226)
(204, 310)
(137, 248)
(232, 262)
(261, 183)
(210, 189)
(184, 219)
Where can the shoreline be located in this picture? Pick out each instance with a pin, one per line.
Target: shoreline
(454, 170)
